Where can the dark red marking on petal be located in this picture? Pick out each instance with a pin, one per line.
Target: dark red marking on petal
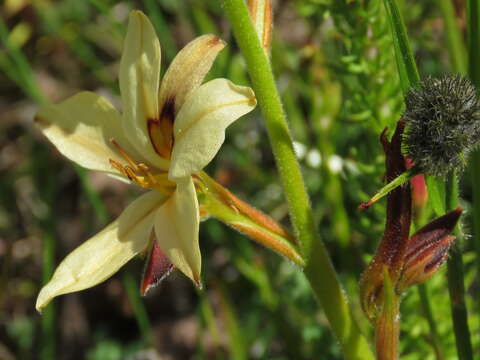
(161, 130)
(157, 268)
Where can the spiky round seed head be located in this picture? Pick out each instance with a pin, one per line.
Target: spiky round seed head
(443, 124)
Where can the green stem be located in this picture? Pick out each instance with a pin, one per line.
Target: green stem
(473, 23)
(456, 285)
(139, 310)
(319, 269)
(456, 47)
(427, 311)
(387, 325)
(425, 302)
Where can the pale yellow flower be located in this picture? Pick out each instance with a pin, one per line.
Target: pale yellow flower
(168, 131)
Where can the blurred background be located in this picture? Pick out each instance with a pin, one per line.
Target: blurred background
(336, 72)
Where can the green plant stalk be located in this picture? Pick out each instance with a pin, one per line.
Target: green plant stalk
(208, 315)
(424, 297)
(139, 310)
(387, 325)
(458, 57)
(473, 26)
(455, 275)
(427, 310)
(456, 47)
(409, 77)
(319, 269)
(236, 339)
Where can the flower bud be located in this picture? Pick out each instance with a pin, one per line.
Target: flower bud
(427, 249)
(262, 18)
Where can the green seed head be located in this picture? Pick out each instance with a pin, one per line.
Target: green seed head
(443, 124)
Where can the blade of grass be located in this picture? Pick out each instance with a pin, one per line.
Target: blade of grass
(456, 46)
(154, 12)
(407, 69)
(455, 264)
(139, 310)
(236, 340)
(456, 285)
(428, 313)
(319, 269)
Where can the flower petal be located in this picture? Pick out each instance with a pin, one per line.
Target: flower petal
(176, 229)
(81, 128)
(200, 125)
(188, 68)
(102, 255)
(139, 84)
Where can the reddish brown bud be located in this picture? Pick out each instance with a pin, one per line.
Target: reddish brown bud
(428, 249)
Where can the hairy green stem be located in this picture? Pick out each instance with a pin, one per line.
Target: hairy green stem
(456, 285)
(319, 269)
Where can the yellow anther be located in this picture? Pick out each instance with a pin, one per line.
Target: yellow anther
(140, 173)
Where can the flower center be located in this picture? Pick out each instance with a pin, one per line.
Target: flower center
(142, 174)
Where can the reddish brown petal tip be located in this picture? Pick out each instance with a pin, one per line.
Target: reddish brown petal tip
(157, 268)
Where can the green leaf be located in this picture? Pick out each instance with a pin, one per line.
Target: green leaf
(407, 69)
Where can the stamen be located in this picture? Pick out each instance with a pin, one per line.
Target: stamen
(140, 173)
(118, 166)
(124, 154)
